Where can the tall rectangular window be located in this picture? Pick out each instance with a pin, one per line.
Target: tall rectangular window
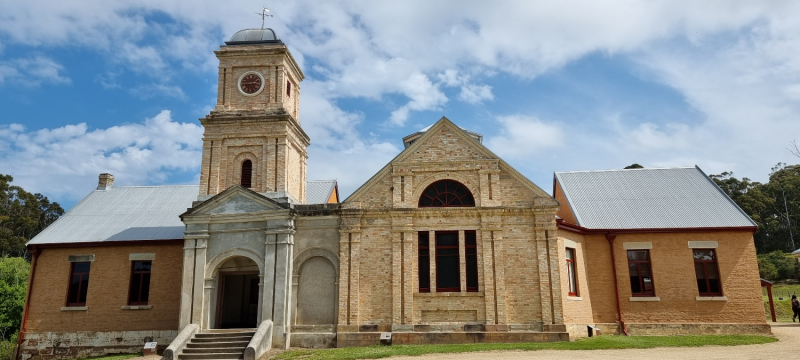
(78, 283)
(707, 272)
(139, 292)
(471, 253)
(572, 279)
(640, 273)
(424, 259)
(288, 89)
(448, 276)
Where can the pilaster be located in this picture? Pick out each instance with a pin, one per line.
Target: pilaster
(187, 283)
(199, 281)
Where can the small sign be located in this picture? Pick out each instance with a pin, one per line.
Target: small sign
(386, 336)
(149, 348)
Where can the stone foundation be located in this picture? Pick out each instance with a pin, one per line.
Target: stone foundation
(417, 338)
(580, 330)
(81, 344)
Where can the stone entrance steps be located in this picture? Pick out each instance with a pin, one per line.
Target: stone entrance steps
(217, 344)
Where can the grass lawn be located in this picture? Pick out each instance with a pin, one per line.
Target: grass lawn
(783, 308)
(595, 343)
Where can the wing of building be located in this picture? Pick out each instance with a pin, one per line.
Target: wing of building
(447, 243)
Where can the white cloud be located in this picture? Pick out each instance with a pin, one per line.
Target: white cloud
(475, 94)
(33, 71)
(64, 162)
(523, 137)
(146, 91)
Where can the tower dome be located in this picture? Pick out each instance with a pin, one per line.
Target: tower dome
(254, 36)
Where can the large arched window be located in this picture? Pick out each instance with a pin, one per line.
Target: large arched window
(247, 174)
(446, 193)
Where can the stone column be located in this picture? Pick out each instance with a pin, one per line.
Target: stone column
(543, 264)
(462, 260)
(282, 292)
(199, 279)
(488, 276)
(500, 277)
(355, 263)
(270, 247)
(555, 277)
(397, 277)
(432, 257)
(409, 261)
(209, 302)
(344, 281)
(187, 283)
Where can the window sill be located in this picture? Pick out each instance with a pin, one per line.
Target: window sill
(137, 307)
(450, 294)
(574, 298)
(645, 298)
(75, 308)
(712, 298)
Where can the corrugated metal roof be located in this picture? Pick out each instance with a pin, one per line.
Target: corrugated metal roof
(649, 199)
(123, 213)
(319, 191)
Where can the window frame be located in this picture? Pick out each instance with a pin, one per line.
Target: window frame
(649, 263)
(471, 260)
(249, 184)
(423, 262)
(141, 282)
(572, 276)
(84, 291)
(439, 268)
(705, 264)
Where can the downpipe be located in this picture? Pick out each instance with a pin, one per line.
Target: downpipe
(610, 237)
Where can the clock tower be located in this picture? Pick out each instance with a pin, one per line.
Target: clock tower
(253, 136)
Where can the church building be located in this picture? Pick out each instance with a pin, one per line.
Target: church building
(447, 243)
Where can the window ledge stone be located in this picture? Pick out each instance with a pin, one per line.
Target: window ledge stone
(75, 308)
(137, 307)
(645, 298)
(712, 298)
(450, 294)
(574, 298)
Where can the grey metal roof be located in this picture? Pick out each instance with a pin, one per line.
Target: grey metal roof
(319, 191)
(123, 213)
(649, 199)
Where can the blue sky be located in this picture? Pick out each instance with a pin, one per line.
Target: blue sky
(90, 86)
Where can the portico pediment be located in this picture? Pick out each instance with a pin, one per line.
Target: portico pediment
(235, 200)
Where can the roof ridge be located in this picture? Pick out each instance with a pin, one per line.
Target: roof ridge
(614, 170)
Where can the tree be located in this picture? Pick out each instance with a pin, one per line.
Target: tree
(634, 166)
(22, 216)
(14, 274)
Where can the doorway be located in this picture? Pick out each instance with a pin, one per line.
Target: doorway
(238, 300)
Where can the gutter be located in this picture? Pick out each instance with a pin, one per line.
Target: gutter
(586, 231)
(610, 237)
(35, 256)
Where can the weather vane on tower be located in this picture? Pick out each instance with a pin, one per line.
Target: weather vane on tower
(263, 15)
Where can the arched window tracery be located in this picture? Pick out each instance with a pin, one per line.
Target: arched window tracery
(446, 193)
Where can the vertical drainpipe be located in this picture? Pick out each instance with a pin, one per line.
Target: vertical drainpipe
(610, 237)
(34, 257)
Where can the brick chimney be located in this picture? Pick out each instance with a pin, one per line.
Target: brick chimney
(106, 180)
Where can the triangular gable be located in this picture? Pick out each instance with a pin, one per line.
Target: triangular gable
(477, 150)
(236, 200)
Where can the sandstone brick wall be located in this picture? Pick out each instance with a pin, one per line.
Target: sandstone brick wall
(107, 292)
(577, 310)
(517, 267)
(675, 281)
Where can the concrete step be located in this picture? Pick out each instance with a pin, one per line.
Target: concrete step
(214, 351)
(210, 356)
(221, 339)
(217, 344)
(223, 331)
(225, 334)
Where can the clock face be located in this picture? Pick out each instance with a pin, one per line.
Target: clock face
(250, 83)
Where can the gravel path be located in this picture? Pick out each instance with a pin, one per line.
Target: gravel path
(787, 348)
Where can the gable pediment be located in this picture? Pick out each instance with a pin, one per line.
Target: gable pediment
(445, 148)
(235, 200)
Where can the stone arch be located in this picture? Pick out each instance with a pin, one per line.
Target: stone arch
(236, 170)
(313, 252)
(447, 175)
(212, 267)
(317, 279)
